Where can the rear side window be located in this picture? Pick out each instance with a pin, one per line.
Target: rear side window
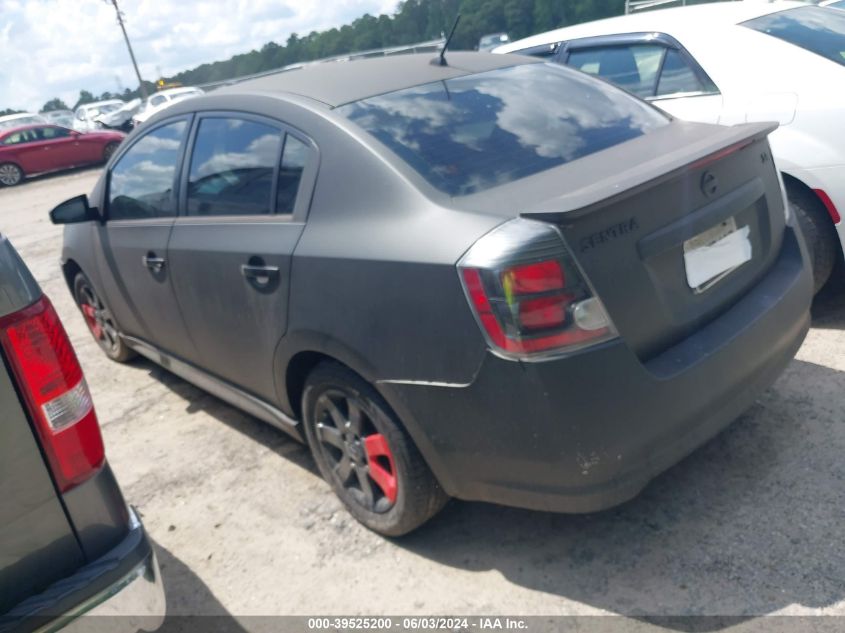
(17, 138)
(677, 77)
(290, 175)
(141, 183)
(633, 67)
(471, 133)
(233, 167)
(816, 29)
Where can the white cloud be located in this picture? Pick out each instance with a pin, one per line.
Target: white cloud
(55, 48)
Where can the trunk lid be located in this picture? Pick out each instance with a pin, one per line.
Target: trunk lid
(632, 244)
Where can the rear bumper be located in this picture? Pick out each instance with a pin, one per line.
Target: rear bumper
(120, 592)
(588, 432)
(134, 603)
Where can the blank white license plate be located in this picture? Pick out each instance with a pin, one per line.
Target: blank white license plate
(715, 253)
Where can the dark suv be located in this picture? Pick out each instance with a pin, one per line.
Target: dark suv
(494, 278)
(69, 545)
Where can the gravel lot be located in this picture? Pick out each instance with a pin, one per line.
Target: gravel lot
(751, 524)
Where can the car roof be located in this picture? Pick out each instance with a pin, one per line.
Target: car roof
(176, 91)
(338, 82)
(21, 128)
(18, 115)
(99, 103)
(671, 21)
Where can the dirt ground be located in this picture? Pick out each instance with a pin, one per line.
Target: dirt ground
(752, 523)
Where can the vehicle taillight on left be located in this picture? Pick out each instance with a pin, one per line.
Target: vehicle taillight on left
(53, 387)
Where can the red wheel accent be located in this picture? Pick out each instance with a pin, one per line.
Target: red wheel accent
(90, 318)
(376, 446)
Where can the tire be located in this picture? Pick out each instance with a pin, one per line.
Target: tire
(355, 451)
(100, 321)
(818, 233)
(108, 150)
(10, 175)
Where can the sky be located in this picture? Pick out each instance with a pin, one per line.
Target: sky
(54, 48)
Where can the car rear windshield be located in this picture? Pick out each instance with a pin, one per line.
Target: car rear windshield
(475, 132)
(816, 29)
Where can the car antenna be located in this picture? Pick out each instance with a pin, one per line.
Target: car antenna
(440, 60)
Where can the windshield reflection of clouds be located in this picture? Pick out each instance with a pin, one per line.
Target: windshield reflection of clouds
(817, 29)
(471, 133)
(261, 153)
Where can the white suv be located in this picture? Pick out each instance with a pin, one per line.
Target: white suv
(729, 63)
(160, 100)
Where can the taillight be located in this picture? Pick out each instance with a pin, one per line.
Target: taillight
(528, 294)
(50, 377)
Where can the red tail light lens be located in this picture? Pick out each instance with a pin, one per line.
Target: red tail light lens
(54, 388)
(529, 295)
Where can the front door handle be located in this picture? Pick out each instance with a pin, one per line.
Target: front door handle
(260, 275)
(155, 264)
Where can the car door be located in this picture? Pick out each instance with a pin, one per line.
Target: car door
(655, 67)
(245, 193)
(140, 206)
(60, 149)
(23, 150)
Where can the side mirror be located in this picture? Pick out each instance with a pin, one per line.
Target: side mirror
(74, 211)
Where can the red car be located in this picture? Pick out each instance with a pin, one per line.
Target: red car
(38, 149)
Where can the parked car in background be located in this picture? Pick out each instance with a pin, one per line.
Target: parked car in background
(39, 149)
(120, 119)
(69, 546)
(85, 117)
(59, 117)
(489, 42)
(160, 100)
(21, 118)
(733, 62)
(492, 247)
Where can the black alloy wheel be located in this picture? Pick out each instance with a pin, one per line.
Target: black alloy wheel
(100, 321)
(365, 454)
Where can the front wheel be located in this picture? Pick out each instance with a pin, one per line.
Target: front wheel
(100, 321)
(10, 174)
(366, 456)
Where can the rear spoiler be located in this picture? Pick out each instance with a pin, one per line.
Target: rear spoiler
(624, 170)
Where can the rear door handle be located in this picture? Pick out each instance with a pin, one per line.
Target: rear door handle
(260, 275)
(152, 262)
(251, 272)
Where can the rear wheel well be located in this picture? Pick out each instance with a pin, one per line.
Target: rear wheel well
(826, 253)
(793, 185)
(297, 372)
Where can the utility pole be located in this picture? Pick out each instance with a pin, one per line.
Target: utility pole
(129, 46)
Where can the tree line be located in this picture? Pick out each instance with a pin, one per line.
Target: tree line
(413, 21)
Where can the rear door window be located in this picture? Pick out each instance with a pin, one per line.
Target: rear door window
(18, 138)
(142, 182)
(233, 167)
(633, 67)
(817, 29)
